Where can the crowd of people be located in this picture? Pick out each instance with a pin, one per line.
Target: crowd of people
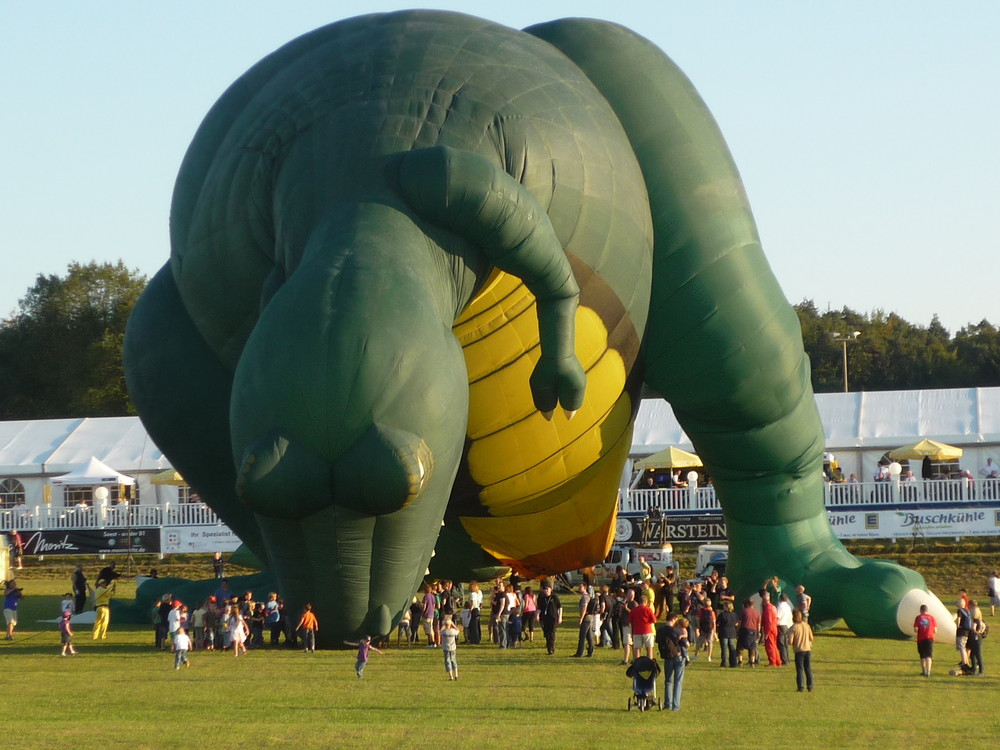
(227, 622)
(641, 617)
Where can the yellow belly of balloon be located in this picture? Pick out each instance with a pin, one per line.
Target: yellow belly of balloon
(548, 488)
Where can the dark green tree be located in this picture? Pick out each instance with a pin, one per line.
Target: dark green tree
(60, 353)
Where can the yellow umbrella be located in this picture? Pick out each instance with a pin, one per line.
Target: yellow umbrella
(669, 458)
(170, 476)
(934, 450)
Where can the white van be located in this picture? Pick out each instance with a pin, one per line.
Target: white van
(711, 557)
(658, 558)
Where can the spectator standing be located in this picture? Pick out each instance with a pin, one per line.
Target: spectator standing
(66, 634)
(16, 548)
(672, 641)
(218, 565)
(993, 586)
(726, 624)
(769, 627)
(81, 590)
(12, 595)
(785, 622)
(103, 595)
(529, 613)
(803, 602)
(309, 626)
(800, 635)
(549, 615)
(642, 620)
(925, 626)
(975, 639)
(749, 628)
(475, 631)
(449, 646)
(586, 623)
(272, 617)
(707, 621)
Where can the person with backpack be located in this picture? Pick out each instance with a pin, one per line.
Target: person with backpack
(672, 641)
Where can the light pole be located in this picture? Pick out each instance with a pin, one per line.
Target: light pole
(845, 340)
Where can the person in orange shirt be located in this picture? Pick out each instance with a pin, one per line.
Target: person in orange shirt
(309, 626)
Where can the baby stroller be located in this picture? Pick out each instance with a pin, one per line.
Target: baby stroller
(643, 672)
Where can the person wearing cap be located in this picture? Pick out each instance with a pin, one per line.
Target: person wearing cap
(103, 595)
(364, 647)
(66, 634)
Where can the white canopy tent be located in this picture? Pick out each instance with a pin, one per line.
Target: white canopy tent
(91, 474)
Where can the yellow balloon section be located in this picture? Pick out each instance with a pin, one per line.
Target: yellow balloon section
(549, 487)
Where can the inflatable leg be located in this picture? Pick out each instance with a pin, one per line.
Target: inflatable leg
(724, 347)
(349, 410)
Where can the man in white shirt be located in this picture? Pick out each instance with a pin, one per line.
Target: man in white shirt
(990, 470)
(784, 608)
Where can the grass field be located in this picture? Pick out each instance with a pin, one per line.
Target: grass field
(123, 693)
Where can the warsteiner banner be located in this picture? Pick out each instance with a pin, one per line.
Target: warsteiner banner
(91, 542)
(649, 531)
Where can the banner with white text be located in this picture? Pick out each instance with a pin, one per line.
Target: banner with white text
(197, 539)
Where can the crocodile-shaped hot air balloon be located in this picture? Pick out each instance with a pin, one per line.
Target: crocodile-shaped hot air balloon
(400, 242)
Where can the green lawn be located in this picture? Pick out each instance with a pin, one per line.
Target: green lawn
(123, 693)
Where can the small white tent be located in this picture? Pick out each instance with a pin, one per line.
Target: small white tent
(91, 473)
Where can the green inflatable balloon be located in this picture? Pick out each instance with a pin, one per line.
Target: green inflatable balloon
(400, 242)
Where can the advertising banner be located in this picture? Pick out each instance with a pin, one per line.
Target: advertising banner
(91, 542)
(653, 532)
(847, 524)
(196, 539)
(899, 524)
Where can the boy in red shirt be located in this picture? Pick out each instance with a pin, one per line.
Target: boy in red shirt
(925, 626)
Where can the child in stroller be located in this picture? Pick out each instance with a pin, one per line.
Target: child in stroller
(643, 672)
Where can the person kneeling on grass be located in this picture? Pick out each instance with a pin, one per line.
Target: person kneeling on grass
(364, 646)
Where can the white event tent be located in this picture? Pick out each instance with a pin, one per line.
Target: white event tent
(35, 453)
(860, 427)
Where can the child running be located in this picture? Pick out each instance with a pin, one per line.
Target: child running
(364, 646)
(182, 643)
(66, 634)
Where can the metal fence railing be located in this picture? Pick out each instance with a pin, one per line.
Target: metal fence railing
(835, 495)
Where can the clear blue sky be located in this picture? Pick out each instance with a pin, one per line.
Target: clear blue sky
(866, 132)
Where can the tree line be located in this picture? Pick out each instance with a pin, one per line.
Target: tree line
(891, 354)
(61, 350)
